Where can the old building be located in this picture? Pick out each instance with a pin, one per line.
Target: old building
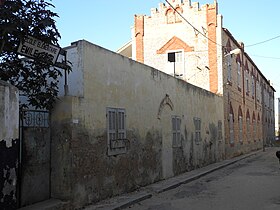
(124, 125)
(9, 145)
(204, 53)
(277, 118)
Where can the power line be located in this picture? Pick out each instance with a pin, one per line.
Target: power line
(194, 28)
(218, 43)
(260, 56)
(251, 45)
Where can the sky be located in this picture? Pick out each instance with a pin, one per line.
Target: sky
(107, 23)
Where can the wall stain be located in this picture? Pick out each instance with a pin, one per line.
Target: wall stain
(8, 174)
(96, 176)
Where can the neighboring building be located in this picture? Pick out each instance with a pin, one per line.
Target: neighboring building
(9, 146)
(277, 118)
(125, 125)
(204, 56)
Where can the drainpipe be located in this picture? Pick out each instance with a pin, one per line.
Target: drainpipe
(66, 89)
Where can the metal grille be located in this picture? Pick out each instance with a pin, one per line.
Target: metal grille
(35, 118)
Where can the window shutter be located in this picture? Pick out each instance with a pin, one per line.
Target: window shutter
(116, 131)
(174, 131)
(112, 125)
(121, 124)
(178, 140)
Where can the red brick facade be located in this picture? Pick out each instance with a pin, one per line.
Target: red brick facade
(212, 48)
(139, 34)
(175, 44)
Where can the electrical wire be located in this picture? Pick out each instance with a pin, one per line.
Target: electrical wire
(251, 45)
(194, 28)
(260, 56)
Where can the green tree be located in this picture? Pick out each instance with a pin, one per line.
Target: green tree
(36, 78)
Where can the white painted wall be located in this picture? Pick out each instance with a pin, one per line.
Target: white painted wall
(76, 77)
(9, 113)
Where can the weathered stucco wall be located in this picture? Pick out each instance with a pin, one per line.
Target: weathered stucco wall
(83, 171)
(9, 142)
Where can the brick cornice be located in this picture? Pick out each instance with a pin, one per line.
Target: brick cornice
(175, 44)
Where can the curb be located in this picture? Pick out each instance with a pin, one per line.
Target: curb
(134, 201)
(190, 176)
(121, 202)
(127, 200)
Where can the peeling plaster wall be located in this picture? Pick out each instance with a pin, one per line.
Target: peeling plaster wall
(9, 143)
(81, 169)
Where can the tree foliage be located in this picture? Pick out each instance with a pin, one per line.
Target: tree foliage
(36, 78)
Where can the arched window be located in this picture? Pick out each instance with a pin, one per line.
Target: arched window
(254, 123)
(231, 128)
(228, 47)
(259, 128)
(178, 18)
(228, 60)
(253, 83)
(248, 125)
(170, 16)
(247, 84)
(238, 61)
(240, 124)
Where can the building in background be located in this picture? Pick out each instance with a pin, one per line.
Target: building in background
(277, 118)
(9, 146)
(189, 42)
